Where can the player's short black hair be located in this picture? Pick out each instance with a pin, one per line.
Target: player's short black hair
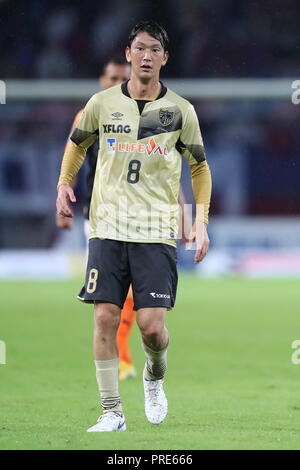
(153, 29)
(116, 60)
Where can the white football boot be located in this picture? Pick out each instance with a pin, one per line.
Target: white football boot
(109, 421)
(156, 404)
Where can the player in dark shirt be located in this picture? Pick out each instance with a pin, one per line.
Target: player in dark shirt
(115, 71)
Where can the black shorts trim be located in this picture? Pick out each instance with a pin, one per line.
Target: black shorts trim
(100, 301)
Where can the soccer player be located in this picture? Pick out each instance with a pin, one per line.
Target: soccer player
(143, 129)
(115, 71)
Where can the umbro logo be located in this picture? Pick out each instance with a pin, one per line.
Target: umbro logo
(117, 116)
(159, 296)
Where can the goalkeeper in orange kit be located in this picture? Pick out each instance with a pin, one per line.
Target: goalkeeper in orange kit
(115, 71)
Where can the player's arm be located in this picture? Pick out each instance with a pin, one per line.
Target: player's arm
(73, 127)
(191, 147)
(201, 182)
(83, 136)
(62, 221)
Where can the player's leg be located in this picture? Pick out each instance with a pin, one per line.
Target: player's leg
(126, 323)
(155, 340)
(126, 368)
(106, 323)
(154, 281)
(106, 286)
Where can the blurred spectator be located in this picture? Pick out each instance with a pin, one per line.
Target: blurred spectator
(54, 62)
(219, 38)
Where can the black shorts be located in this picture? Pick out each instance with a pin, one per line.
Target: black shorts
(114, 265)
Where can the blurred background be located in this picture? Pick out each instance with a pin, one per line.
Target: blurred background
(235, 61)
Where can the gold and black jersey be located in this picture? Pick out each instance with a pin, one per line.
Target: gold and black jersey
(136, 185)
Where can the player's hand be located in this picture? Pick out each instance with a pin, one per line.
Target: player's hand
(63, 222)
(200, 236)
(64, 196)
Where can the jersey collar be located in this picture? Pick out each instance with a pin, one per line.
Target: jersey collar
(124, 88)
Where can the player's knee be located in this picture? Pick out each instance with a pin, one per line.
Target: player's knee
(152, 331)
(106, 317)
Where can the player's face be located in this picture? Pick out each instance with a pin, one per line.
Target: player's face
(146, 56)
(114, 74)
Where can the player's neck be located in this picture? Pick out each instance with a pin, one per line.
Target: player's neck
(143, 91)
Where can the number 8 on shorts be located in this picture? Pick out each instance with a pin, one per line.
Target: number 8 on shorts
(92, 282)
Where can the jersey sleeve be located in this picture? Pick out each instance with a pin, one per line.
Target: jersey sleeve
(87, 128)
(201, 183)
(75, 122)
(190, 143)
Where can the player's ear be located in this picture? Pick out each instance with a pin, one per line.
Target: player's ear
(165, 58)
(127, 54)
(101, 81)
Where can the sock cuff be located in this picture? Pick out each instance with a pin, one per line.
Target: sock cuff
(108, 364)
(152, 352)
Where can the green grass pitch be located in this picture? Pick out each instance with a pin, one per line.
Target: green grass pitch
(230, 384)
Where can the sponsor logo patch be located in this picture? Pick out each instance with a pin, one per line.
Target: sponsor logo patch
(136, 147)
(159, 296)
(116, 129)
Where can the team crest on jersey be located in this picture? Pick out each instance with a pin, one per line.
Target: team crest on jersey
(166, 116)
